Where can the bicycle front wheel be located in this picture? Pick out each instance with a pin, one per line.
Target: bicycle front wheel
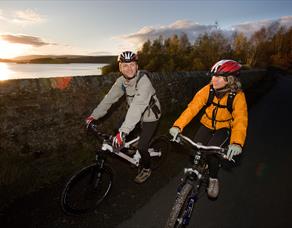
(175, 219)
(158, 151)
(86, 189)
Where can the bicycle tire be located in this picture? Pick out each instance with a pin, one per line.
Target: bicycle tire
(159, 144)
(178, 207)
(86, 189)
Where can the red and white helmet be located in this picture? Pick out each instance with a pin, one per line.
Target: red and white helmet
(225, 68)
(127, 57)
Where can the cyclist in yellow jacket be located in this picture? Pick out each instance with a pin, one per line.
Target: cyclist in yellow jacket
(220, 124)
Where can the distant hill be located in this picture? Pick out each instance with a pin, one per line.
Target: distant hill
(64, 59)
(6, 60)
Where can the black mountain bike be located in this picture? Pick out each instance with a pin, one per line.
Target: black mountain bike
(194, 183)
(88, 187)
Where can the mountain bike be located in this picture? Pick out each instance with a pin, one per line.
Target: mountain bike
(194, 183)
(88, 187)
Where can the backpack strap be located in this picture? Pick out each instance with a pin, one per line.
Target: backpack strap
(152, 104)
(210, 97)
(140, 75)
(123, 88)
(230, 100)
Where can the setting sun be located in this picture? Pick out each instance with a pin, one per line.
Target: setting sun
(9, 50)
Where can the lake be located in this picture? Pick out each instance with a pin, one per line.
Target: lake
(20, 71)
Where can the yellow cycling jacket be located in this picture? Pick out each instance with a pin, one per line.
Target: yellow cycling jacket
(237, 122)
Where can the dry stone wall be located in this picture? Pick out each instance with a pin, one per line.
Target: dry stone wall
(42, 121)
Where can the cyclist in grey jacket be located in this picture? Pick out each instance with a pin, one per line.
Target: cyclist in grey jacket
(143, 108)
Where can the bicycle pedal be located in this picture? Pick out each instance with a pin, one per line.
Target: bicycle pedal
(133, 166)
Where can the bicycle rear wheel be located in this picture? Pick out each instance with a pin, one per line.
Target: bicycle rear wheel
(86, 189)
(178, 211)
(159, 152)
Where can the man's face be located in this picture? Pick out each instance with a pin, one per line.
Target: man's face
(128, 69)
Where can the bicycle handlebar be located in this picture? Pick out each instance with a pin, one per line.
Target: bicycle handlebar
(200, 146)
(93, 127)
(209, 149)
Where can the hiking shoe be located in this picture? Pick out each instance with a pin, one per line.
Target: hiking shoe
(213, 188)
(142, 175)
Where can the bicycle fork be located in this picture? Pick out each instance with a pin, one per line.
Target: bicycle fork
(192, 199)
(97, 173)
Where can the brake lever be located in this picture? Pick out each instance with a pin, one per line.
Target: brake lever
(225, 157)
(223, 154)
(175, 138)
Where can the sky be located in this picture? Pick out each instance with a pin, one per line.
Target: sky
(81, 27)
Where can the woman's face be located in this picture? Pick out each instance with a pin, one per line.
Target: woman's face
(219, 82)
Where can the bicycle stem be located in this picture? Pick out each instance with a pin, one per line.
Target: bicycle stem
(191, 170)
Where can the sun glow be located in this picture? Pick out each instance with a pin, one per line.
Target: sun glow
(9, 50)
(5, 72)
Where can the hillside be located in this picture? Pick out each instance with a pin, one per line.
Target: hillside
(64, 59)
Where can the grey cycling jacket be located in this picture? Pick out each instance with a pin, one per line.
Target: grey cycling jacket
(138, 97)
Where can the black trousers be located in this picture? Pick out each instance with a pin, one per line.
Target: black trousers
(210, 137)
(146, 131)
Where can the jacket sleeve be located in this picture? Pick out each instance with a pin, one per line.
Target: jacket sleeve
(198, 102)
(240, 120)
(140, 102)
(115, 93)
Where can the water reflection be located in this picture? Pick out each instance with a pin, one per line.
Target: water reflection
(5, 72)
(21, 71)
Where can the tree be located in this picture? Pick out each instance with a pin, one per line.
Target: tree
(272, 45)
(241, 47)
(211, 47)
(281, 45)
(259, 53)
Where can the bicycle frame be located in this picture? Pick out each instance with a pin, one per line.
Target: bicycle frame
(88, 187)
(135, 160)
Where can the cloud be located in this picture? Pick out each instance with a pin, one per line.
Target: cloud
(249, 28)
(22, 17)
(193, 30)
(28, 16)
(1, 15)
(24, 39)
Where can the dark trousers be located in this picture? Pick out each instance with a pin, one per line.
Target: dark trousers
(146, 131)
(210, 137)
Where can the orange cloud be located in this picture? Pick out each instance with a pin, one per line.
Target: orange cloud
(24, 39)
